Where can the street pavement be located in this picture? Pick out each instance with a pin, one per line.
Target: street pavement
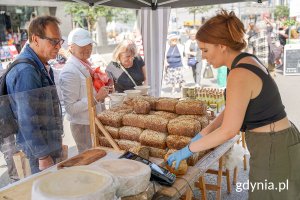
(291, 99)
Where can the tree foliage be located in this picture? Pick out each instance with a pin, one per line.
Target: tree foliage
(79, 12)
(281, 11)
(198, 10)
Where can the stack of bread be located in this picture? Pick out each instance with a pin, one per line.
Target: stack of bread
(160, 124)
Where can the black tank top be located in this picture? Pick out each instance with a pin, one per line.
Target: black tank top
(267, 107)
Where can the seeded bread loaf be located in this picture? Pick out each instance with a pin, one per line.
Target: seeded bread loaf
(191, 161)
(203, 119)
(153, 139)
(184, 127)
(113, 131)
(111, 118)
(141, 106)
(105, 143)
(166, 104)
(136, 120)
(127, 144)
(130, 133)
(191, 107)
(150, 99)
(177, 142)
(122, 109)
(164, 114)
(157, 153)
(156, 123)
(142, 151)
(128, 101)
(182, 169)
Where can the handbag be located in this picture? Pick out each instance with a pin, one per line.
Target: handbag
(208, 73)
(192, 62)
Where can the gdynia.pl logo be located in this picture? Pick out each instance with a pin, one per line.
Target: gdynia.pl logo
(266, 185)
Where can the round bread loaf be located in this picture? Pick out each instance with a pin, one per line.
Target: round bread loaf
(182, 169)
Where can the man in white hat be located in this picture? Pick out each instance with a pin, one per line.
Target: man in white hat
(72, 81)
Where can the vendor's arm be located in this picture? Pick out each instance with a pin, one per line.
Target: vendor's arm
(216, 123)
(239, 91)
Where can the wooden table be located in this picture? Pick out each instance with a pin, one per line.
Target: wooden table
(181, 186)
(184, 184)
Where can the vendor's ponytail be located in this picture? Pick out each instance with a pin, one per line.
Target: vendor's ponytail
(236, 30)
(226, 29)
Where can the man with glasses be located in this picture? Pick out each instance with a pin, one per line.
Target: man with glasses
(34, 99)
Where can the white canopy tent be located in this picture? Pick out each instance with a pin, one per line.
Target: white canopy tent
(154, 28)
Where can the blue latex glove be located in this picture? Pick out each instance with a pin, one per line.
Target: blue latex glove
(178, 156)
(197, 137)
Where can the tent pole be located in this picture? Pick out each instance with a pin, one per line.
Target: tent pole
(144, 2)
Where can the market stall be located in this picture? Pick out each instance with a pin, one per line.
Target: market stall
(23, 189)
(153, 128)
(158, 126)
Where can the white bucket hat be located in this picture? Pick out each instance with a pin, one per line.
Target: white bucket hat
(173, 36)
(80, 37)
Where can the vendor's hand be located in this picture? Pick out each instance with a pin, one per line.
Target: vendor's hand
(198, 136)
(178, 156)
(102, 94)
(45, 163)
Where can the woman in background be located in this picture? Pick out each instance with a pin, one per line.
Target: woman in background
(127, 69)
(174, 62)
(192, 52)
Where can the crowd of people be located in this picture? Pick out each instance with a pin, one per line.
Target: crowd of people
(267, 38)
(273, 140)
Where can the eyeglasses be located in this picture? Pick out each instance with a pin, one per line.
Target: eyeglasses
(54, 42)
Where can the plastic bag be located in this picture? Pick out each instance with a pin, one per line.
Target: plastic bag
(234, 157)
(208, 73)
(100, 79)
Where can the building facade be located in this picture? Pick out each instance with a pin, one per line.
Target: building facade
(15, 16)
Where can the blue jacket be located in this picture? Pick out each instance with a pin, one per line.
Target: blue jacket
(36, 107)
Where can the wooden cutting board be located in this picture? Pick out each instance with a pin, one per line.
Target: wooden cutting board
(84, 158)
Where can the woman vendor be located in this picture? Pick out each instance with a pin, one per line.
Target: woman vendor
(253, 105)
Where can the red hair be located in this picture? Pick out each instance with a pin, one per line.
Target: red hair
(224, 28)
